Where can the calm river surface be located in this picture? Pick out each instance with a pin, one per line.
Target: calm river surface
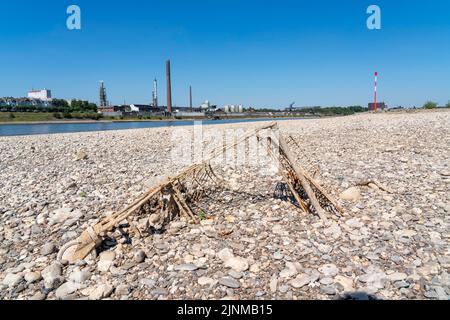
(48, 128)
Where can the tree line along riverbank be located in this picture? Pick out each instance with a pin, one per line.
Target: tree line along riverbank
(89, 113)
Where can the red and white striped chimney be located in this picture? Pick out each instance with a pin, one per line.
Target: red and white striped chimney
(375, 104)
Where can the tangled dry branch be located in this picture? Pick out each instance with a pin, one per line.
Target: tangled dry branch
(176, 196)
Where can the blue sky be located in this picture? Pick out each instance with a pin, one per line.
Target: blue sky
(256, 53)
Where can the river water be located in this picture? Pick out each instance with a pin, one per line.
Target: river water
(49, 128)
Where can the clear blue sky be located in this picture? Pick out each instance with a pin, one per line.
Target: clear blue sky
(256, 53)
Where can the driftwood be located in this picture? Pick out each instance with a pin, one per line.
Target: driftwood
(161, 203)
(305, 183)
(174, 196)
(286, 172)
(316, 185)
(375, 182)
(309, 194)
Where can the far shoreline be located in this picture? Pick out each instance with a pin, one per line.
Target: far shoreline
(88, 121)
(68, 121)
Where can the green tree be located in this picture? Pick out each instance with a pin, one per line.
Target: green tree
(430, 105)
(357, 109)
(60, 103)
(447, 105)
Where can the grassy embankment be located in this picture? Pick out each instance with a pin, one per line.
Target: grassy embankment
(16, 117)
(26, 117)
(29, 117)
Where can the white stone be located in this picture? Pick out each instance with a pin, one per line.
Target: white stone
(354, 223)
(61, 215)
(237, 263)
(375, 277)
(329, 270)
(31, 277)
(225, 254)
(48, 249)
(300, 281)
(406, 233)
(205, 281)
(122, 290)
(289, 271)
(350, 194)
(255, 268)
(139, 256)
(334, 231)
(397, 276)
(11, 280)
(447, 208)
(229, 282)
(104, 266)
(273, 284)
(52, 276)
(100, 292)
(324, 248)
(278, 230)
(80, 276)
(66, 289)
(345, 282)
(185, 267)
(106, 261)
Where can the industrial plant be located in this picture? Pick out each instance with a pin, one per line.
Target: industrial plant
(206, 109)
(42, 100)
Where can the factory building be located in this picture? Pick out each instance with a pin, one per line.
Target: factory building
(205, 105)
(155, 94)
(233, 108)
(380, 106)
(103, 100)
(141, 108)
(43, 95)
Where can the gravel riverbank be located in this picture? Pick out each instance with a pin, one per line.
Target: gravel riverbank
(253, 244)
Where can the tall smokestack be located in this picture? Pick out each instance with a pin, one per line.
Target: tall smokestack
(169, 88)
(103, 99)
(155, 94)
(375, 100)
(190, 98)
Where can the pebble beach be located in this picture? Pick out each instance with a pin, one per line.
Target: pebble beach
(391, 242)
